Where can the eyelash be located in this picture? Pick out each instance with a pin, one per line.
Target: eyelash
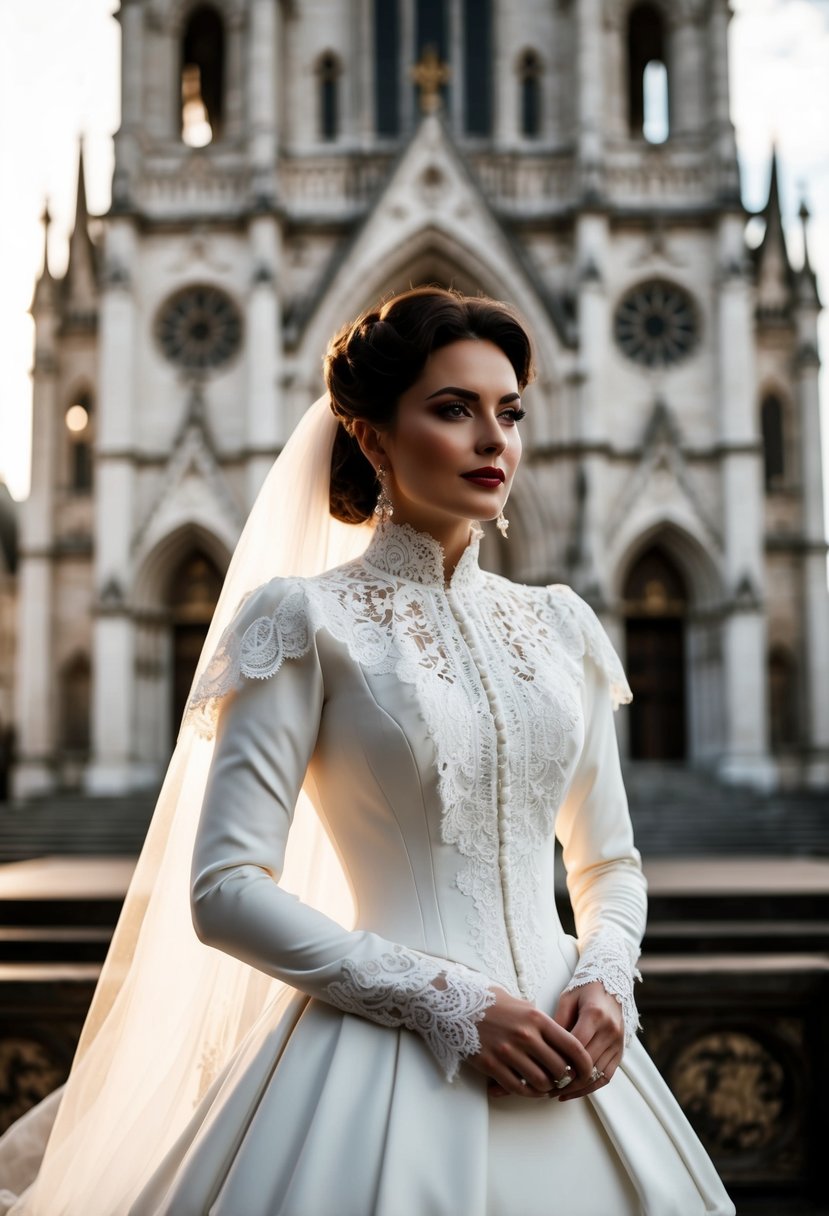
(517, 414)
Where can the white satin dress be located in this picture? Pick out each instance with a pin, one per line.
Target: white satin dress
(452, 731)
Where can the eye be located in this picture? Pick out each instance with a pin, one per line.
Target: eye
(448, 408)
(515, 414)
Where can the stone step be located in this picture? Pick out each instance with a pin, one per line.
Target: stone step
(54, 944)
(74, 825)
(750, 936)
(676, 811)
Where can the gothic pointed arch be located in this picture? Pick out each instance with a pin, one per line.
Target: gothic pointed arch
(774, 427)
(153, 575)
(673, 641)
(328, 70)
(529, 70)
(202, 72)
(655, 606)
(647, 70)
(430, 201)
(79, 439)
(430, 255)
(688, 553)
(174, 595)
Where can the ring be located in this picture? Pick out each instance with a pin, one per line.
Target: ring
(596, 1074)
(523, 1081)
(565, 1078)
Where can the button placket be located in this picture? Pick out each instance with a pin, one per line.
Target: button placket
(468, 633)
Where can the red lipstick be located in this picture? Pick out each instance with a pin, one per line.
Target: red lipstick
(489, 477)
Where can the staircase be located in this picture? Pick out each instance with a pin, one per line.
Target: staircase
(680, 812)
(75, 824)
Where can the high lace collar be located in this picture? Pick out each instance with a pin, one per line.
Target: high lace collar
(403, 552)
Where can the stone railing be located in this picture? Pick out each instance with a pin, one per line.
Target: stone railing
(518, 185)
(338, 186)
(195, 187)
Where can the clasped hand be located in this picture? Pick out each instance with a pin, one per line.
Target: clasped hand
(524, 1051)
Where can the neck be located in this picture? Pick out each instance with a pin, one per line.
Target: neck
(452, 534)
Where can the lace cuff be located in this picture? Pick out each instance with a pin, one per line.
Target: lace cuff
(399, 989)
(609, 957)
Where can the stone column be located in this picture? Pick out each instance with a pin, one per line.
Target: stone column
(127, 145)
(234, 117)
(744, 758)
(590, 69)
(685, 72)
(505, 118)
(36, 685)
(815, 595)
(360, 72)
(264, 66)
(264, 347)
(594, 337)
(616, 98)
(722, 137)
(111, 770)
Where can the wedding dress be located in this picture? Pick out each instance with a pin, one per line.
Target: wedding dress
(448, 733)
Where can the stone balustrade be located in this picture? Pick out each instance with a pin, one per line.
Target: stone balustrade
(518, 185)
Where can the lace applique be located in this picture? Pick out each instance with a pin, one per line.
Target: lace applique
(399, 989)
(609, 957)
(584, 633)
(256, 653)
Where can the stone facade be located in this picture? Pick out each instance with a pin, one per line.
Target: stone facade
(672, 458)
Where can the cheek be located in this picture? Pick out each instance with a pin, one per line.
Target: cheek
(428, 451)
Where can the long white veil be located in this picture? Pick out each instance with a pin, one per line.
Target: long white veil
(168, 1012)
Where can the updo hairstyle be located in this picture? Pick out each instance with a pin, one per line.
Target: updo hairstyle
(371, 362)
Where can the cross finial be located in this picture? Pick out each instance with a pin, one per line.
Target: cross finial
(430, 74)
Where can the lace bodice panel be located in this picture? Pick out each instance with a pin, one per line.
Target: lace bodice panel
(498, 671)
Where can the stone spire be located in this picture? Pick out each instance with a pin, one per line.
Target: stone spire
(81, 284)
(44, 293)
(807, 291)
(773, 270)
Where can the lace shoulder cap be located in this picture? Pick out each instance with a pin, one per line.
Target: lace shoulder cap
(270, 625)
(584, 633)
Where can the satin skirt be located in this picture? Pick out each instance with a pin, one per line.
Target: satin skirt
(326, 1113)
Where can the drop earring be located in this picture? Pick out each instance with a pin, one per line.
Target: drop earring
(384, 508)
(502, 523)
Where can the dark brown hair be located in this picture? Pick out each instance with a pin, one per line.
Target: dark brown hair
(372, 361)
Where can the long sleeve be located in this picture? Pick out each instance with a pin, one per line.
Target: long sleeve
(267, 730)
(604, 872)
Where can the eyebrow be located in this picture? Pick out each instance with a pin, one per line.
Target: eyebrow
(468, 395)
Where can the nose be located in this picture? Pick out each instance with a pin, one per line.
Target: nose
(491, 436)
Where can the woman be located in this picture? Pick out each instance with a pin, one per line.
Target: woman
(454, 1052)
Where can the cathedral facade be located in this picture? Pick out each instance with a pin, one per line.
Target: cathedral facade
(280, 165)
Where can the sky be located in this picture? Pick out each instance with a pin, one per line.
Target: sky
(59, 78)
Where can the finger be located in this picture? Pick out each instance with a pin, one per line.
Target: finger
(595, 1020)
(567, 1009)
(605, 1067)
(565, 1044)
(512, 1081)
(604, 1045)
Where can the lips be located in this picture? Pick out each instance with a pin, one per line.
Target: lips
(485, 477)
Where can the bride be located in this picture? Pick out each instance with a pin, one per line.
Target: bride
(451, 1051)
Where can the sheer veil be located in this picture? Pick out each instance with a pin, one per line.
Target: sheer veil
(168, 1012)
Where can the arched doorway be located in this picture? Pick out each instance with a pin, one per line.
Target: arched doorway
(656, 602)
(193, 592)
